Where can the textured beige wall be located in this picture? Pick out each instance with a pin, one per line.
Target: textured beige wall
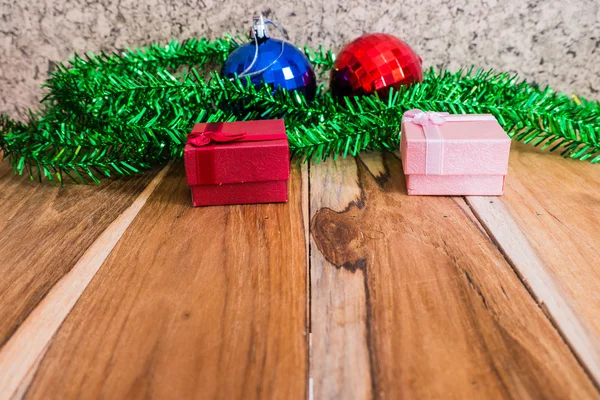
(549, 41)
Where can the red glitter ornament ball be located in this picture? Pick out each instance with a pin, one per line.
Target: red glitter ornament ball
(374, 62)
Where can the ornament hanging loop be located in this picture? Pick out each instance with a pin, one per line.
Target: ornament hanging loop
(260, 31)
(260, 27)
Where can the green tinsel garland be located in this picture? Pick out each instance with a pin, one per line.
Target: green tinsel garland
(113, 115)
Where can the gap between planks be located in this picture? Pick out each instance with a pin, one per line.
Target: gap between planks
(305, 173)
(21, 355)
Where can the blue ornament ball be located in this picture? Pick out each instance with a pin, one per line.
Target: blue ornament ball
(290, 68)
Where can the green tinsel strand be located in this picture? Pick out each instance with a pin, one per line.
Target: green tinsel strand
(114, 115)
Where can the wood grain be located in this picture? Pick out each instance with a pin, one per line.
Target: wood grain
(44, 230)
(192, 303)
(411, 299)
(548, 225)
(340, 365)
(22, 353)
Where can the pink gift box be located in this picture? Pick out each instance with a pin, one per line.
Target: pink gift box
(453, 155)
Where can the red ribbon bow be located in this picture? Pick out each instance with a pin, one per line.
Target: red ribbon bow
(199, 139)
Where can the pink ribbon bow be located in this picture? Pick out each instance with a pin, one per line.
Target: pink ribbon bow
(425, 118)
(434, 142)
(199, 139)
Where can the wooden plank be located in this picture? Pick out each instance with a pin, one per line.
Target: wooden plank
(22, 353)
(411, 299)
(340, 366)
(548, 225)
(192, 303)
(44, 230)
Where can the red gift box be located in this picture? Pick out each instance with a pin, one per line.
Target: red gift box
(238, 162)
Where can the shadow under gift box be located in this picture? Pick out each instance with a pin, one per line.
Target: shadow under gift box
(473, 156)
(239, 172)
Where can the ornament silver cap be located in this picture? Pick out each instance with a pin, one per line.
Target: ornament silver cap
(259, 27)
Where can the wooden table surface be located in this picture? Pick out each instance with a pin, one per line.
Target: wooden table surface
(352, 290)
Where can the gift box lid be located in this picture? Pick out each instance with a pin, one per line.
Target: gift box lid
(477, 147)
(262, 155)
